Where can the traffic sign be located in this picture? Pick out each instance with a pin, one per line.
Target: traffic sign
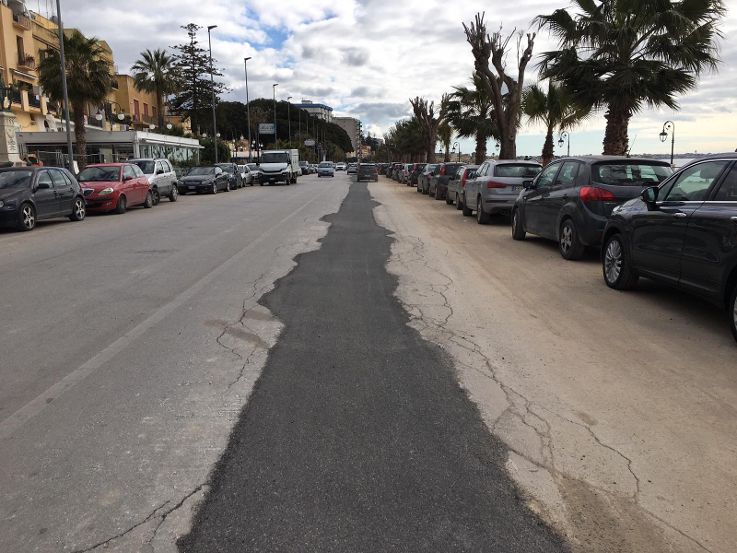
(266, 128)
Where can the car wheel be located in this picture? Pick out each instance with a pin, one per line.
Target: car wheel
(438, 194)
(467, 211)
(733, 312)
(518, 229)
(569, 244)
(618, 271)
(448, 199)
(122, 205)
(419, 188)
(26, 217)
(174, 194)
(149, 202)
(79, 210)
(459, 206)
(156, 196)
(214, 189)
(482, 218)
(227, 187)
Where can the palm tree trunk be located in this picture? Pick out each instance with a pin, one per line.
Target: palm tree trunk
(481, 139)
(548, 147)
(616, 142)
(446, 157)
(80, 134)
(160, 110)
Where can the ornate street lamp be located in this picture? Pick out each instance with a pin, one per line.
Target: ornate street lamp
(457, 145)
(669, 126)
(565, 137)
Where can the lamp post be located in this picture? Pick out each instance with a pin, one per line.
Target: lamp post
(289, 118)
(564, 136)
(64, 89)
(248, 107)
(257, 146)
(496, 149)
(273, 91)
(212, 89)
(669, 126)
(456, 144)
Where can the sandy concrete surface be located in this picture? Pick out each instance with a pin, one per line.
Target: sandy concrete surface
(619, 409)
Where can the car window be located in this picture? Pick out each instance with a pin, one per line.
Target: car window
(545, 178)
(568, 173)
(728, 189)
(67, 178)
(14, 179)
(167, 166)
(627, 173)
(128, 171)
(694, 182)
(45, 178)
(517, 170)
(58, 179)
(160, 167)
(481, 170)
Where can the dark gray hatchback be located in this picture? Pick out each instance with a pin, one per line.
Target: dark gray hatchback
(571, 199)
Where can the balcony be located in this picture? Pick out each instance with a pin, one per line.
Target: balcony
(34, 100)
(26, 62)
(20, 20)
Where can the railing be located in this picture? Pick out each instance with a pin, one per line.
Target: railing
(50, 36)
(15, 96)
(22, 21)
(27, 61)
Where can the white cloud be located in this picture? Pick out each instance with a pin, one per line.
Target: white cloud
(368, 57)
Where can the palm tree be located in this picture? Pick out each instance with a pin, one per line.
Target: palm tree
(471, 114)
(153, 73)
(445, 135)
(88, 78)
(622, 55)
(556, 110)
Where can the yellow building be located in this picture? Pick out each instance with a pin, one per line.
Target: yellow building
(139, 106)
(24, 37)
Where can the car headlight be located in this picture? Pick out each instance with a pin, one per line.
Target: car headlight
(105, 191)
(2, 203)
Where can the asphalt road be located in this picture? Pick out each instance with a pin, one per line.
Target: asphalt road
(357, 436)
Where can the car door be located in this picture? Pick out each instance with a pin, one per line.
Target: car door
(45, 196)
(658, 235)
(63, 191)
(710, 245)
(561, 192)
(131, 186)
(472, 185)
(160, 180)
(533, 199)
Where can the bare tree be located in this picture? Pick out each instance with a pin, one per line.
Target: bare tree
(490, 52)
(425, 114)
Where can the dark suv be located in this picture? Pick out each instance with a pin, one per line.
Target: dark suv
(438, 186)
(367, 171)
(683, 233)
(571, 199)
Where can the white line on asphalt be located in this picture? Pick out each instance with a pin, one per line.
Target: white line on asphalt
(39, 403)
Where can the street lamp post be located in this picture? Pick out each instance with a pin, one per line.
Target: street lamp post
(564, 136)
(289, 119)
(273, 90)
(669, 126)
(212, 89)
(65, 91)
(248, 108)
(456, 144)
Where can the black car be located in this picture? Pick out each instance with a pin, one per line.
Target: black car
(438, 183)
(234, 175)
(571, 199)
(205, 179)
(414, 173)
(28, 194)
(367, 171)
(682, 233)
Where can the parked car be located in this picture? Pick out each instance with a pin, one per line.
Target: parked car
(423, 181)
(326, 169)
(352, 168)
(208, 178)
(395, 169)
(571, 199)
(438, 184)
(496, 186)
(682, 232)
(457, 184)
(255, 171)
(305, 167)
(115, 187)
(234, 175)
(247, 177)
(367, 171)
(415, 173)
(29, 194)
(340, 166)
(161, 177)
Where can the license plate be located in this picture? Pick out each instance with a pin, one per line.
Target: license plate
(192, 187)
(516, 188)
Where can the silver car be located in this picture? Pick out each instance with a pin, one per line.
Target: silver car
(246, 175)
(496, 187)
(161, 177)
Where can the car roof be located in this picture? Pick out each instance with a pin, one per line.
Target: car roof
(111, 164)
(602, 158)
(27, 168)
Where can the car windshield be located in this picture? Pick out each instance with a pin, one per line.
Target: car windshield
(252, 166)
(629, 174)
(100, 174)
(275, 157)
(202, 171)
(14, 179)
(518, 170)
(146, 165)
(326, 165)
(227, 167)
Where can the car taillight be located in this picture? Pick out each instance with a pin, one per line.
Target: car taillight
(442, 171)
(493, 184)
(463, 182)
(595, 194)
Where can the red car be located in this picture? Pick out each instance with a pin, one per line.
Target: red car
(115, 187)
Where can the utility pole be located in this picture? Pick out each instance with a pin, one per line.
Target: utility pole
(289, 119)
(65, 92)
(248, 111)
(212, 89)
(273, 89)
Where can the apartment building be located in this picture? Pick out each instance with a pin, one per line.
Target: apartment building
(351, 126)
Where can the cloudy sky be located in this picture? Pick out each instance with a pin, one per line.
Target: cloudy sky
(366, 58)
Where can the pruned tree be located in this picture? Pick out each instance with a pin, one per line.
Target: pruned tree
(424, 111)
(490, 52)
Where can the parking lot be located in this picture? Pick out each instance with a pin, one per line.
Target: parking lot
(619, 408)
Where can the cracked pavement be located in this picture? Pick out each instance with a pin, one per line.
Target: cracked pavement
(126, 368)
(618, 409)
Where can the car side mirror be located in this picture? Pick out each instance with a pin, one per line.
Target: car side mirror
(650, 197)
(127, 178)
(43, 186)
(528, 184)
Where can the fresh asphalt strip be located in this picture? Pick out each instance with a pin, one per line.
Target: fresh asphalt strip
(357, 436)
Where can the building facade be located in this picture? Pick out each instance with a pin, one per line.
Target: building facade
(316, 110)
(352, 127)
